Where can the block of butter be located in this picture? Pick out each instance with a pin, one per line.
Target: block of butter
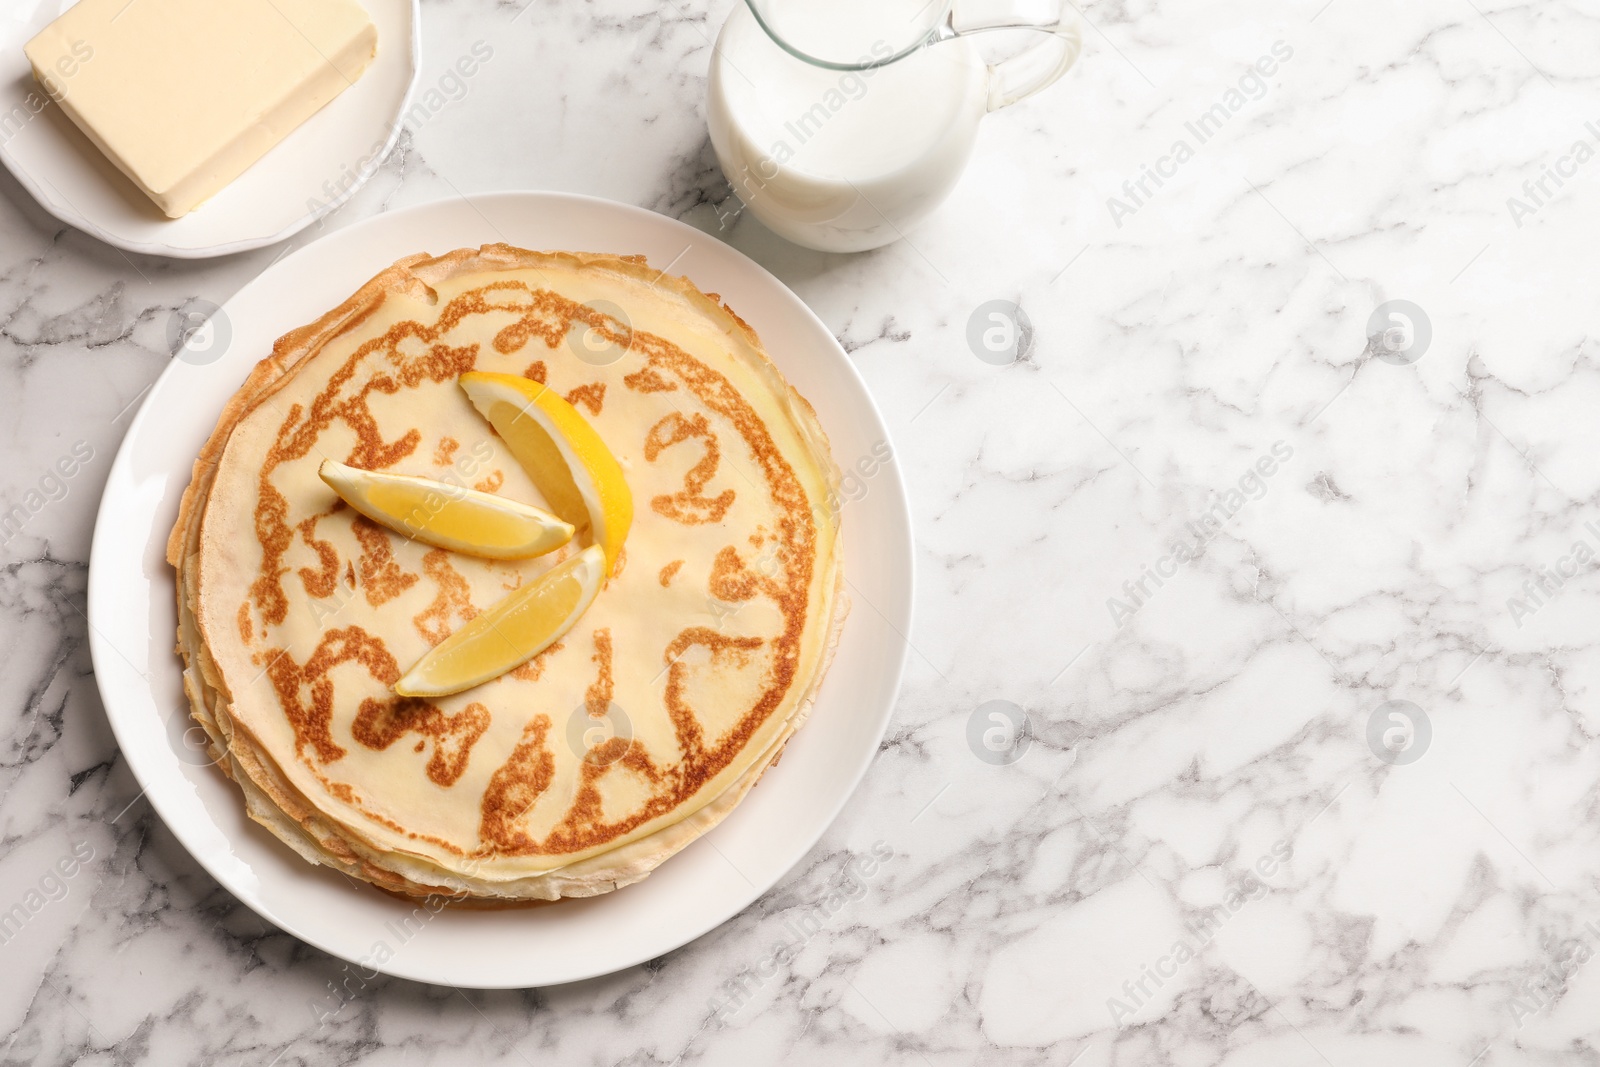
(184, 95)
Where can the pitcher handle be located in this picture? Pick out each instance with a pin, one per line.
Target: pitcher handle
(1035, 67)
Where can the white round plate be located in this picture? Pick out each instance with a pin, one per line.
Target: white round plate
(305, 176)
(132, 618)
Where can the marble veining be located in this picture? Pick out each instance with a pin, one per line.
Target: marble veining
(1299, 767)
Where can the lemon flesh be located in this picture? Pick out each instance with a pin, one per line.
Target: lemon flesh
(448, 516)
(567, 459)
(512, 632)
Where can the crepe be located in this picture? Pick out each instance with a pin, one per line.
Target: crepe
(640, 729)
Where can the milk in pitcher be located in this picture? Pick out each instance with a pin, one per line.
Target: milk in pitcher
(842, 159)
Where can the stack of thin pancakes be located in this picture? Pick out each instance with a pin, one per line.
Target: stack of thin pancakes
(646, 723)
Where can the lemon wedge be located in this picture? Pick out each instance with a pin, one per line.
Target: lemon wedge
(521, 626)
(569, 462)
(447, 516)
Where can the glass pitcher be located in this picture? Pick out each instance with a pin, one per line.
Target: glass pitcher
(843, 123)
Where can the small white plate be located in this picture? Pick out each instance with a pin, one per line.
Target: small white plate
(132, 618)
(308, 174)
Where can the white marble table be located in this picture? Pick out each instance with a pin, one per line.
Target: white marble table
(1201, 858)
